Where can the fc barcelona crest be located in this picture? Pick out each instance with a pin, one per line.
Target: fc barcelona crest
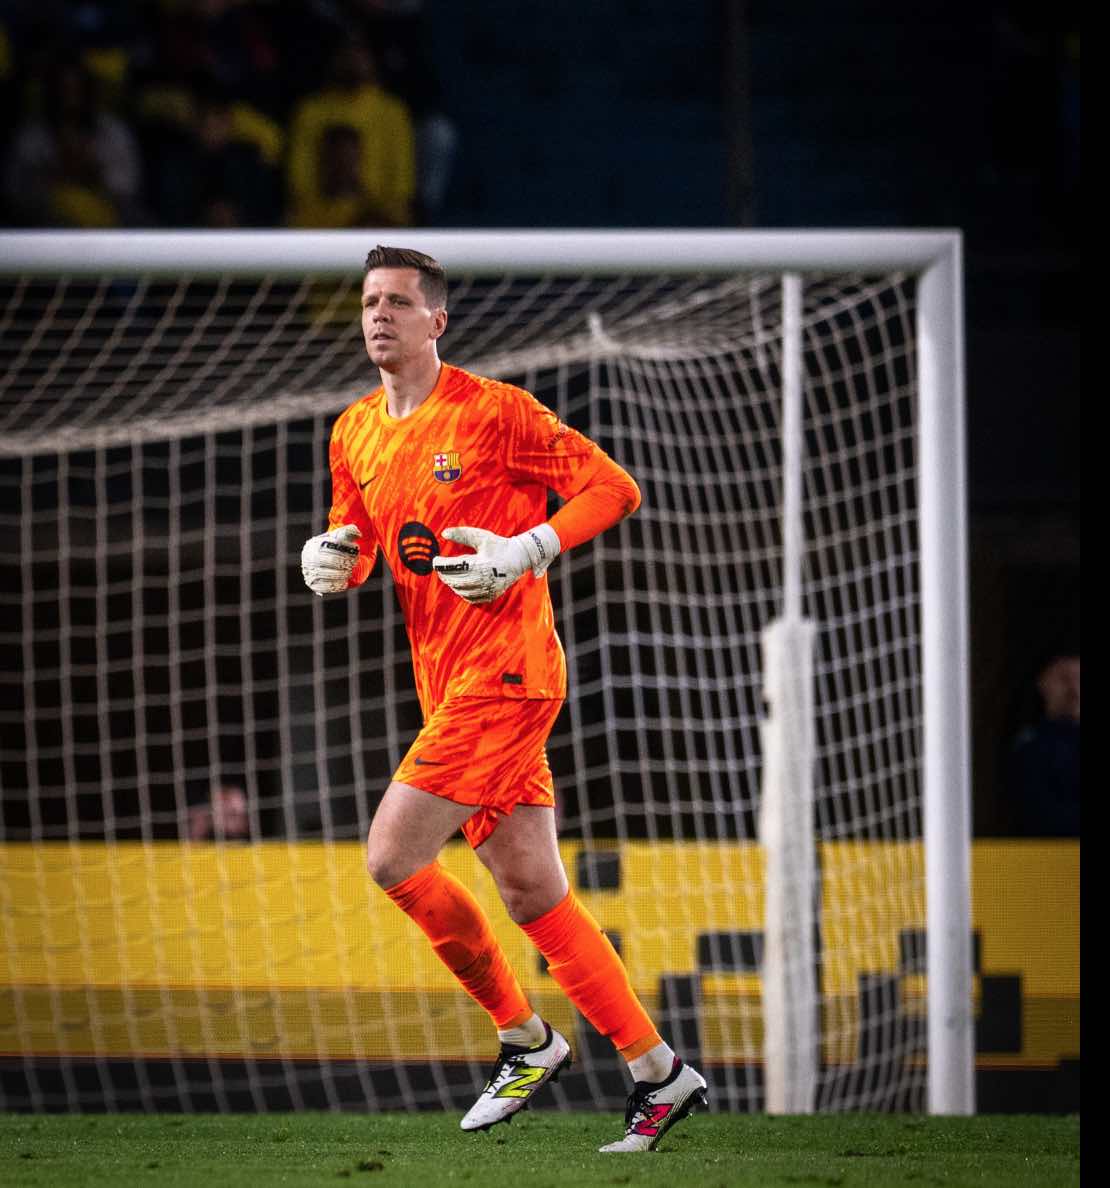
(446, 467)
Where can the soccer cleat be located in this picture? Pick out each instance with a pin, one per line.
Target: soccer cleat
(653, 1109)
(516, 1076)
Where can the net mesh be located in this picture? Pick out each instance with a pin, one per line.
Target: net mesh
(162, 459)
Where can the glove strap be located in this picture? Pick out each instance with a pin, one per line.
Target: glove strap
(542, 545)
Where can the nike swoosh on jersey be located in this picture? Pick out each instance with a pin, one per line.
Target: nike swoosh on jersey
(363, 485)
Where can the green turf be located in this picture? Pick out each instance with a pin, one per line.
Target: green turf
(540, 1150)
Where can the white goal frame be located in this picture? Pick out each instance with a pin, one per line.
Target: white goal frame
(934, 256)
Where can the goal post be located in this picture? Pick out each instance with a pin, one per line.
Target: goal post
(946, 668)
(792, 404)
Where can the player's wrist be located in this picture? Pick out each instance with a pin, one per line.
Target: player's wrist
(542, 546)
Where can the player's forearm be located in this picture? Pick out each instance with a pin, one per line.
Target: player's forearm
(605, 502)
(347, 508)
(368, 550)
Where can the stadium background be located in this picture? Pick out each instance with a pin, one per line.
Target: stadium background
(733, 114)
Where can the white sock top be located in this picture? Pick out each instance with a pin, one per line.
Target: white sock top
(527, 1035)
(654, 1065)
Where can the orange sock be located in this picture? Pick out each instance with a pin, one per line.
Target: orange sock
(461, 935)
(581, 958)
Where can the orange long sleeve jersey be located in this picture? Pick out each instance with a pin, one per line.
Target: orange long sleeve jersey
(479, 453)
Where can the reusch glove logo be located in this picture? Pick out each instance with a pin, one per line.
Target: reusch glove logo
(417, 546)
(336, 546)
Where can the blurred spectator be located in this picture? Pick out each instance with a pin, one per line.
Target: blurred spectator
(397, 31)
(204, 73)
(242, 51)
(224, 818)
(1043, 765)
(237, 163)
(75, 165)
(340, 199)
(232, 42)
(104, 33)
(322, 191)
(212, 160)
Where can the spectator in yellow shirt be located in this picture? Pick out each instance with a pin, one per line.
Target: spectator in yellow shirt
(351, 152)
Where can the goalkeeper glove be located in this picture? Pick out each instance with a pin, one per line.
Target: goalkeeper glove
(327, 560)
(497, 562)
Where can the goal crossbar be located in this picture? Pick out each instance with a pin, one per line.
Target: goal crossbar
(246, 253)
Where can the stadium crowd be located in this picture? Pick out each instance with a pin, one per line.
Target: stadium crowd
(220, 113)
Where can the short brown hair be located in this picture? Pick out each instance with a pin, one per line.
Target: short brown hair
(433, 276)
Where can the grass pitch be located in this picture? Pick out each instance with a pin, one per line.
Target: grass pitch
(539, 1150)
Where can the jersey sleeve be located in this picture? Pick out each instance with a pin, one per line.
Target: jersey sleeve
(598, 492)
(347, 506)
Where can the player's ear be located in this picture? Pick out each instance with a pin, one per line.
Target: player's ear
(439, 322)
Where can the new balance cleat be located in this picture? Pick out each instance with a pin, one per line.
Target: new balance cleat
(516, 1076)
(653, 1109)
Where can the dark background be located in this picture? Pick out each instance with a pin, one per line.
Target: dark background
(726, 113)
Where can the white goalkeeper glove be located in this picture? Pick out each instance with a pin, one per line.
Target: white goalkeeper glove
(497, 562)
(327, 560)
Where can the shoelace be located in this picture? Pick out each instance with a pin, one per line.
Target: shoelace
(637, 1103)
(502, 1063)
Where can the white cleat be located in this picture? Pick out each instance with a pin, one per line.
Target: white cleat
(654, 1109)
(516, 1076)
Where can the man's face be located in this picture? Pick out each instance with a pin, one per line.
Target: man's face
(398, 326)
(1059, 686)
(229, 812)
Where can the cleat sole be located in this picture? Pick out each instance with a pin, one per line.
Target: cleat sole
(698, 1097)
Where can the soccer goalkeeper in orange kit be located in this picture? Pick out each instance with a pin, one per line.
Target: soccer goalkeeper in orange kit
(447, 474)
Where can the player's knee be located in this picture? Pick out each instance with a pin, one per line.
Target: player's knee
(524, 902)
(384, 867)
(521, 909)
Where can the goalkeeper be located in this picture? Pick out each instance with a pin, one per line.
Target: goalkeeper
(446, 474)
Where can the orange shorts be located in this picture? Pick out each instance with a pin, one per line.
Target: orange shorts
(485, 751)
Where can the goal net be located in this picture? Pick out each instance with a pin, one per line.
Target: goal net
(193, 745)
